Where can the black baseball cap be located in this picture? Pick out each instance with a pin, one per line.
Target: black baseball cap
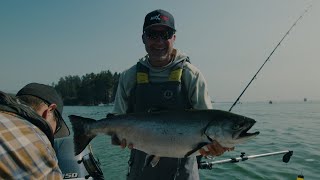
(158, 17)
(49, 95)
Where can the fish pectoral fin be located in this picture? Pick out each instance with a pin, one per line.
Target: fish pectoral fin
(199, 146)
(152, 160)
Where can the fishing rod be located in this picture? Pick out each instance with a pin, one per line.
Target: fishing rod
(254, 77)
(243, 157)
(208, 165)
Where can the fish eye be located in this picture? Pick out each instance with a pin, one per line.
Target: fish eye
(236, 126)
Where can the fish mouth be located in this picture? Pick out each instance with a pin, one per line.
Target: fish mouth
(245, 134)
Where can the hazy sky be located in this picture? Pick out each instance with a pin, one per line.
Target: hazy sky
(228, 40)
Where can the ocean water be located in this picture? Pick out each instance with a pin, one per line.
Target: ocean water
(283, 126)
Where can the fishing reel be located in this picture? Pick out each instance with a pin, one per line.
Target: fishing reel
(92, 166)
(83, 166)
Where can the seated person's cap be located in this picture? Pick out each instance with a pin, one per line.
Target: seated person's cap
(49, 95)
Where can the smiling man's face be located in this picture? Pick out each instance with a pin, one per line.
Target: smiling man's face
(159, 42)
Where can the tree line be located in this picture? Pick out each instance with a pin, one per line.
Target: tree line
(90, 89)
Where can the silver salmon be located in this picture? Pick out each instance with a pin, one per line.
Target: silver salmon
(173, 134)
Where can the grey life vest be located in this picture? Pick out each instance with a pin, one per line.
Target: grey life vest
(168, 95)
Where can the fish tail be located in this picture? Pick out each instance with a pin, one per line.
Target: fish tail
(81, 134)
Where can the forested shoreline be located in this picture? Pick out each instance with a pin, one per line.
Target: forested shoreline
(89, 90)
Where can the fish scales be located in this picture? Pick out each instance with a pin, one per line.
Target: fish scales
(169, 133)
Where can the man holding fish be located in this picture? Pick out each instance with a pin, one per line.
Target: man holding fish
(162, 80)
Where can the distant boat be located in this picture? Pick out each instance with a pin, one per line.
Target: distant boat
(270, 102)
(101, 104)
(108, 104)
(305, 99)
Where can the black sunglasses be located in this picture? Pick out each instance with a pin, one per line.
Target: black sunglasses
(165, 35)
(56, 116)
(58, 127)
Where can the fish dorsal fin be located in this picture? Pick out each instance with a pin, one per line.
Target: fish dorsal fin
(199, 146)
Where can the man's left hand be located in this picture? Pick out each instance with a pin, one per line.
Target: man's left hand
(214, 149)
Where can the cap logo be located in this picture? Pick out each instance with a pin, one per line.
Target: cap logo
(159, 17)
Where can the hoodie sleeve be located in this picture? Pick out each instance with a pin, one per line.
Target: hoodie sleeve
(126, 83)
(196, 86)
